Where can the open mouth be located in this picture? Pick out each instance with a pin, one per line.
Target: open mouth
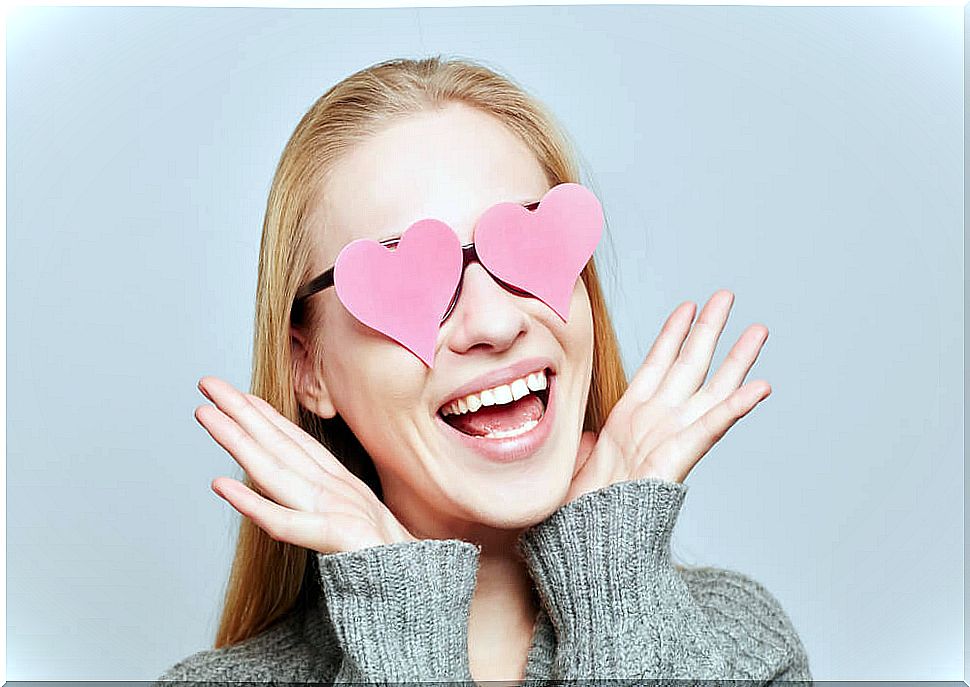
(500, 420)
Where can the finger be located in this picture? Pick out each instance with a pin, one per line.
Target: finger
(694, 361)
(271, 475)
(662, 354)
(675, 458)
(282, 524)
(235, 405)
(738, 363)
(324, 458)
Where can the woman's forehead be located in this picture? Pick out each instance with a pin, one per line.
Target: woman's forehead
(459, 205)
(450, 165)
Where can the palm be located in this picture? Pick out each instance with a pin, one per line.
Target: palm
(668, 419)
(311, 499)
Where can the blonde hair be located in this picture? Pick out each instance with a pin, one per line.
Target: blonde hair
(270, 579)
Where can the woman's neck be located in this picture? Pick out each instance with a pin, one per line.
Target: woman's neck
(503, 612)
(504, 606)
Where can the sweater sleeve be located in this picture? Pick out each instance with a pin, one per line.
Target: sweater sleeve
(400, 611)
(620, 609)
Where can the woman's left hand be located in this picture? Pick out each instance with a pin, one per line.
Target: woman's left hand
(667, 421)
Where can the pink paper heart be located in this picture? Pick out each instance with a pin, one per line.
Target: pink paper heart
(402, 293)
(545, 250)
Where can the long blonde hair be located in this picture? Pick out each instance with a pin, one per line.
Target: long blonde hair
(270, 579)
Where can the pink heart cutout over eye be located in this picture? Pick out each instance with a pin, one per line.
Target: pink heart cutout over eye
(404, 292)
(545, 250)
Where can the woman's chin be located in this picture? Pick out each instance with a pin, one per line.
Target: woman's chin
(515, 499)
(517, 507)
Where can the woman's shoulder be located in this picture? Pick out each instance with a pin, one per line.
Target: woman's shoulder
(721, 583)
(741, 607)
(280, 652)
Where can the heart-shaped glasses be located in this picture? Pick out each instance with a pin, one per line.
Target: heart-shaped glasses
(406, 288)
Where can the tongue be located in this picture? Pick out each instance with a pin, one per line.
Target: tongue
(498, 418)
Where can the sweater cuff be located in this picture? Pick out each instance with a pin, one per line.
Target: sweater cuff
(603, 555)
(400, 610)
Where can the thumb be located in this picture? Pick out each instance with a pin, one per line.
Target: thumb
(586, 443)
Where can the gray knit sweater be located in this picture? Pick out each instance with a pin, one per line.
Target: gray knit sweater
(613, 606)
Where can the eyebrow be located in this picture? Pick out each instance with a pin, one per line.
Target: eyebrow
(528, 204)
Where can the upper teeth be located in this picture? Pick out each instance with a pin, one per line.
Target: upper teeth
(499, 395)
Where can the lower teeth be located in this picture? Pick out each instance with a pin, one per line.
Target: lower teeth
(512, 432)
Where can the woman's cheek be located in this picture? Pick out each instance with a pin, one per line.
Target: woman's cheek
(581, 314)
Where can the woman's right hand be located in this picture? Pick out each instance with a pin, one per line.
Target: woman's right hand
(315, 502)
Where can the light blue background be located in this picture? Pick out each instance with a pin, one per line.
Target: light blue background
(809, 159)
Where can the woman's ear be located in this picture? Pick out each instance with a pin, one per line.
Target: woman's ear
(309, 385)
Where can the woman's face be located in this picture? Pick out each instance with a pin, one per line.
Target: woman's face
(451, 165)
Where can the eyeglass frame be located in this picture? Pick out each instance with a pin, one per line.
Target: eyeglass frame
(469, 255)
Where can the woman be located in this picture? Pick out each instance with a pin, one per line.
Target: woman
(395, 532)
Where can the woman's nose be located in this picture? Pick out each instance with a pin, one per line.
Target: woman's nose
(486, 314)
